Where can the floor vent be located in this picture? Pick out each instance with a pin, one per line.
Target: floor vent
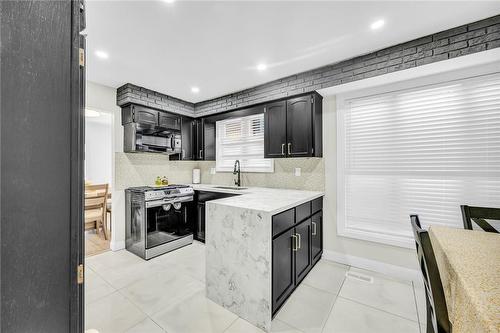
(360, 277)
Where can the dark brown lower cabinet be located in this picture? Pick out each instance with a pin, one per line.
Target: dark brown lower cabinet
(316, 236)
(296, 249)
(283, 267)
(303, 263)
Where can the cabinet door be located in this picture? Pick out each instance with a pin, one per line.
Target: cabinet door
(303, 261)
(283, 268)
(209, 140)
(145, 116)
(299, 127)
(275, 130)
(169, 121)
(186, 138)
(200, 222)
(316, 236)
(198, 139)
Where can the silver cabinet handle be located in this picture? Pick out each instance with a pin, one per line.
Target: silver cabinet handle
(300, 241)
(314, 228)
(294, 245)
(283, 149)
(200, 155)
(183, 154)
(289, 148)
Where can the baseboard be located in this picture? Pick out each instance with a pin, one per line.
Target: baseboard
(394, 271)
(116, 246)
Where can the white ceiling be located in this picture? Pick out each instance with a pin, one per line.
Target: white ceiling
(217, 45)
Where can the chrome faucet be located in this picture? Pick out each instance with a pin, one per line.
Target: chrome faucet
(237, 170)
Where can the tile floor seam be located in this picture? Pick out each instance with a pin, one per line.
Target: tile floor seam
(336, 298)
(373, 307)
(107, 283)
(232, 323)
(416, 307)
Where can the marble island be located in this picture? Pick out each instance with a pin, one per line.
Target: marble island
(239, 247)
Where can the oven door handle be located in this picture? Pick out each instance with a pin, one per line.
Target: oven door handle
(156, 203)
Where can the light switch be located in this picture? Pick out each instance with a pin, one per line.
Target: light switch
(212, 171)
(298, 172)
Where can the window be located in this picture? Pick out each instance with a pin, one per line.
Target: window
(242, 139)
(423, 150)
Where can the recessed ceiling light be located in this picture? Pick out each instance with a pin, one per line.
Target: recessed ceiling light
(261, 67)
(195, 90)
(101, 54)
(169, 1)
(377, 24)
(91, 113)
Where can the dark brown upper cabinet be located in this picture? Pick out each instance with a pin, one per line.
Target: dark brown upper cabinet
(293, 128)
(169, 121)
(139, 114)
(275, 130)
(203, 139)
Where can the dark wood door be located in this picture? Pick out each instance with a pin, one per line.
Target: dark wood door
(186, 138)
(169, 121)
(275, 130)
(200, 222)
(283, 268)
(41, 174)
(303, 261)
(209, 140)
(145, 116)
(316, 236)
(198, 138)
(299, 126)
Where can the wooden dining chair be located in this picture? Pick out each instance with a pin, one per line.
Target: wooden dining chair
(479, 215)
(95, 207)
(437, 312)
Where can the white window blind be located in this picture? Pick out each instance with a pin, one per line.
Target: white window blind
(242, 139)
(425, 150)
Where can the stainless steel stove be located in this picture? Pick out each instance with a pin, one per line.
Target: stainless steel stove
(156, 219)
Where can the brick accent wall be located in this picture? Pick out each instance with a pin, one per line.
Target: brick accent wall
(470, 38)
(129, 93)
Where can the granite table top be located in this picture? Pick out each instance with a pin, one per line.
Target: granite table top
(469, 266)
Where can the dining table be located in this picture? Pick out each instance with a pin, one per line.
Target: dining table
(469, 266)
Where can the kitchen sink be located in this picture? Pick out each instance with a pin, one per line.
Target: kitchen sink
(232, 187)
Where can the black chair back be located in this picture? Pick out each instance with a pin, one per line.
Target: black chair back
(437, 312)
(479, 215)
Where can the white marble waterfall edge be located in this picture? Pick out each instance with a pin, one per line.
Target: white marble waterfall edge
(238, 262)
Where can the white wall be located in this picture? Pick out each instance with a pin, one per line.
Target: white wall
(99, 149)
(103, 99)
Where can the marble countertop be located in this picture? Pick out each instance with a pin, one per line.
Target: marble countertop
(269, 200)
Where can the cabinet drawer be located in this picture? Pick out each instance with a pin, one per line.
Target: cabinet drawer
(283, 221)
(317, 205)
(302, 212)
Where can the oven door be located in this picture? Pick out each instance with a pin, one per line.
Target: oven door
(166, 221)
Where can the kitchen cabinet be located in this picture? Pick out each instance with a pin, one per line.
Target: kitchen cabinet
(296, 247)
(275, 130)
(187, 137)
(139, 114)
(196, 211)
(169, 121)
(303, 263)
(293, 128)
(204, 139)
(316, 236)
(283, 267)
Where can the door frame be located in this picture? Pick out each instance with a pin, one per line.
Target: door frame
(77, 107)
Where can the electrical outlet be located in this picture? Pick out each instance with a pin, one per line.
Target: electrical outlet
(298, 172)
(212, 171)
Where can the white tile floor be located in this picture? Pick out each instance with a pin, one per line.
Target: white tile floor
(167, 294)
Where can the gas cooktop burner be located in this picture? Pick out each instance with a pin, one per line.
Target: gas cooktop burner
(157, 188)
